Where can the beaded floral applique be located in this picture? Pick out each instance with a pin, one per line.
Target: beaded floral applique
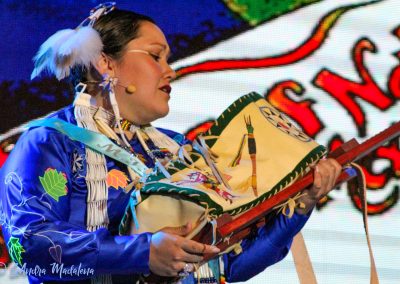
(15, 249)
(116, 179)
(54, 183)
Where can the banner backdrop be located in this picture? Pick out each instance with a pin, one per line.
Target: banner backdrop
(331, 66)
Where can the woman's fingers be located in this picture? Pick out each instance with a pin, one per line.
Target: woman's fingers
(170, 252)
(189, 258)
(334, 169)
(317, 178)
(325, 175)
(198, 248)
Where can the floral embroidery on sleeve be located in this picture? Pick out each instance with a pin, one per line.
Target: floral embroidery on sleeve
(54, 183)
(77, 162)
(15, 249)
(116, 179)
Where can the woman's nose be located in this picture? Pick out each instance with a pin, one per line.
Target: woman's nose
(170, 73)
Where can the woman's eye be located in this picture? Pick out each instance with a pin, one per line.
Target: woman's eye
(155, 56)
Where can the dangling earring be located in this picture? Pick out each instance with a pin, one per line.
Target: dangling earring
(109, 84)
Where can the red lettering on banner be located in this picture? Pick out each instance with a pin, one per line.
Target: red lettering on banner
(335, 142)
(392, 153)
(394, 79)
(300, 111)
(374, 181)
(345, 90)
(307, 48)
(375, 208)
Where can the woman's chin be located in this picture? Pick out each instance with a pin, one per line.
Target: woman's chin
(155, 117)
(164, 112)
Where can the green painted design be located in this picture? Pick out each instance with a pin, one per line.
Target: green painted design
(15, 250)
(54, 183)
(258, 11)
(225, 118)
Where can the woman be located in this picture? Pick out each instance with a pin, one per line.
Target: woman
(61, 208)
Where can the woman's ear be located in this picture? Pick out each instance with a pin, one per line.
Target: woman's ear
(105, 65)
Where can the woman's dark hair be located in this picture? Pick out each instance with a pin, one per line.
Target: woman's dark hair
(116, 29)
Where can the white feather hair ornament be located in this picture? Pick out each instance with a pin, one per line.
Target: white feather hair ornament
(66, 49)
(44, 59)
(69, 48)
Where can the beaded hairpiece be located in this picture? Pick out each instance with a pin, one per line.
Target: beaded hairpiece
(72, 47)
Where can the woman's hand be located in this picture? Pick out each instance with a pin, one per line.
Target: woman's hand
(170, 251)
(325, 174)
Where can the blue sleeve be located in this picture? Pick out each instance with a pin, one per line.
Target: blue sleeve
(36, 187)
(270, 245)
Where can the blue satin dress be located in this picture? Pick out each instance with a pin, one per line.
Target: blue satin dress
(46, 234)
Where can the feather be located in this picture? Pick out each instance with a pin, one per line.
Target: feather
(44, 59)
(82, 48)
(66, 49)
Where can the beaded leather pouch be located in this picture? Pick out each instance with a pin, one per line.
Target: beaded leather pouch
(250, 153)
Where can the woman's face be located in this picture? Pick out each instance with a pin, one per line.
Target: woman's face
(149, 73)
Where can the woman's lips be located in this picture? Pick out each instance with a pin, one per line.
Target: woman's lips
(166, 89)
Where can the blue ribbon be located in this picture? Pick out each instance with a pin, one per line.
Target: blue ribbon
(95, 141)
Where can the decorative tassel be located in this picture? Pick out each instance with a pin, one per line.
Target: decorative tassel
(161, 140)
(159, 166)
(96, 169)
(204, 274)
(108, 84)
(287, 208)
